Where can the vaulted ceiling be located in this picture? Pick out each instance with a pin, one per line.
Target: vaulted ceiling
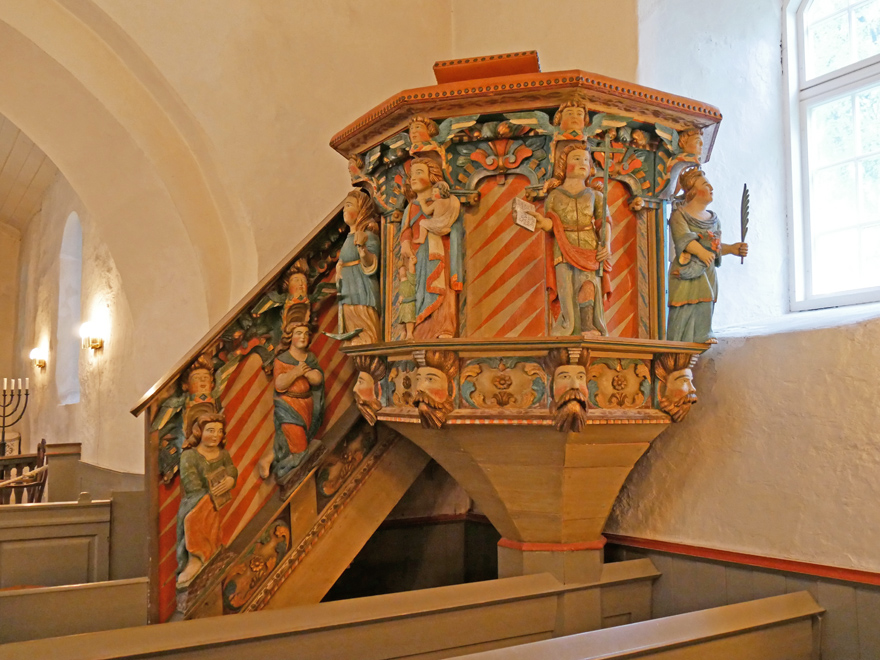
(25, 174)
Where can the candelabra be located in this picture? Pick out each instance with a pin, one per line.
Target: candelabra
(9, 408)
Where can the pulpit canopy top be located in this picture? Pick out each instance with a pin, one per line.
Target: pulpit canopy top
(512, 82)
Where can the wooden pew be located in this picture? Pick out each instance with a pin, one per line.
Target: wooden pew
(778, 628)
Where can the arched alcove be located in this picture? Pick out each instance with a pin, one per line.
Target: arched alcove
(79, 87)
(67, 343)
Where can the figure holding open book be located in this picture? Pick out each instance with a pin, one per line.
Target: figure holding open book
(207, 477)
(580, 223)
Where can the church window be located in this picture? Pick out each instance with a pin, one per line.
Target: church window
(836, 153)
(69, 312)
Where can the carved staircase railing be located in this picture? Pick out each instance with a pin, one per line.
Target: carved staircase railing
(237, 355)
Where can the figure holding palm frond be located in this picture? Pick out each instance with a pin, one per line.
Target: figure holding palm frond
(693, 282)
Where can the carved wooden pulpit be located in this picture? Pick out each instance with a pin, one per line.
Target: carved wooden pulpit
(521, 341)
(493, 291)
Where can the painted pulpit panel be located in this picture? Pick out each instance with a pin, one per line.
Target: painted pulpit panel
(507, 285)
(512, 226)
(236, 430)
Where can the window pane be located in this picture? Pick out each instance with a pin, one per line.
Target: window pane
(828, 45)
(836, 262)
(870, 255)
(869, 187)
(868, 104)
(866, 23)
(821, 8)
(834, 203)
(831, 132)
(833, 271)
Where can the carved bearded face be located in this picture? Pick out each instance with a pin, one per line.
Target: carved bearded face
(679, 394)
(577, 165)
(200, 381)
(419, 179)
(432, 396)
(433, 382)
(418, 132)
(573, 119)
(567, 378)
(570, 397)
(365, 397)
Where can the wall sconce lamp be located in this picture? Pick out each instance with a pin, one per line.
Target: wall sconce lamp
(90, 335)
(38, 357)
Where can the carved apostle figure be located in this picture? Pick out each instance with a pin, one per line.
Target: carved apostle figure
(435, 387)
(207, 475)
(357, 270)
(299, 398)
(569, 391)
(437, 251)
(200, 397)
(581, 226)
(693, 282)
(676, 393)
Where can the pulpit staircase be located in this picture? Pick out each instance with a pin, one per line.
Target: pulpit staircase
(281, 544)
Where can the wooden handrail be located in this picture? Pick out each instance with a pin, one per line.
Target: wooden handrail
(214, 333)
(25, 478)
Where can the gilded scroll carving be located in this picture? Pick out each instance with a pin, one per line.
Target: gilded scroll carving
(619, 383)
(402, 379)
(510, 383)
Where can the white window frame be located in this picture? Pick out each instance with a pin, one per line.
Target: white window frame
(801, 95)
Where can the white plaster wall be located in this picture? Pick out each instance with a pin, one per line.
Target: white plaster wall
(10, 243)
(779, 457)
(110, 437)
(271, 82)
(592, 35)
(727, 53)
